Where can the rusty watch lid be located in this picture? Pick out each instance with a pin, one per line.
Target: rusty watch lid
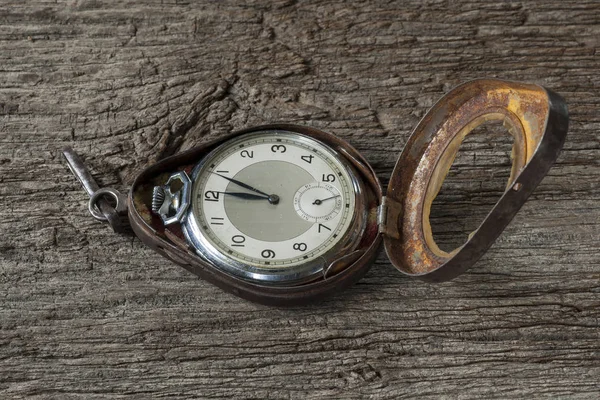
(536, 118)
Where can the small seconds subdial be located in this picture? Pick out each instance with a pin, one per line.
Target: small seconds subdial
(317, 201)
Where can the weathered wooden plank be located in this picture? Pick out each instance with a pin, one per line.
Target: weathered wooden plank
(85, 313)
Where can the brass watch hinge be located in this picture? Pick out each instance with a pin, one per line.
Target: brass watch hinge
(388, 217)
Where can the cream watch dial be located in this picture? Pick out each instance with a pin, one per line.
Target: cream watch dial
(271, 201)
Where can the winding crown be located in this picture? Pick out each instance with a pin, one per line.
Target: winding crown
(158, 198)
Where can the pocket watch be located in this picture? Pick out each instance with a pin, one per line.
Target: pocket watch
(274, 206)
(285, 214)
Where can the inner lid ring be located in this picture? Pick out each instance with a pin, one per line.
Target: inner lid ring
(446, 159)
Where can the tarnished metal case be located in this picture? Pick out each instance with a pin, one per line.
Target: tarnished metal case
(343, 272)
(536, 118)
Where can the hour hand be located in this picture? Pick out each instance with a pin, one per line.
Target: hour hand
(242, 184)
(273, 198)
(246, 196)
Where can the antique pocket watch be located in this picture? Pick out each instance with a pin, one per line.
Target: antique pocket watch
(284, 214)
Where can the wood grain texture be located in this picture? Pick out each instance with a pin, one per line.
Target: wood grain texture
(87, 314)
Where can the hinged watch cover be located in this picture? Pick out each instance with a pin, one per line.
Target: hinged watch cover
(535, 117)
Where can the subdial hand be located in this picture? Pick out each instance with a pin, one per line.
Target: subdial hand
(273, 198)
(319, 201)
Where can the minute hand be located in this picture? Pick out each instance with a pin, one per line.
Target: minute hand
(242, 184)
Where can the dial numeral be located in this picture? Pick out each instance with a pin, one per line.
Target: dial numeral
(238, 241)
(300, 246)
(324, 227)
(246, 153)
(216, 221)
(328, 178)
(211, 195)
(308, 158)
(278, 148)
(268, 253)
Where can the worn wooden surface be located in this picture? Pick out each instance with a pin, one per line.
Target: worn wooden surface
(86, 314)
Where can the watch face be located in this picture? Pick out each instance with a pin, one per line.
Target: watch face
(271, 206)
